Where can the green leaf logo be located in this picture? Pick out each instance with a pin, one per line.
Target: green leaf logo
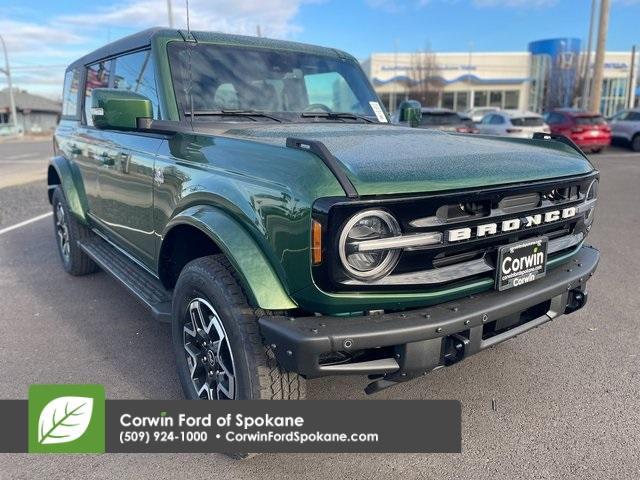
(64, 419)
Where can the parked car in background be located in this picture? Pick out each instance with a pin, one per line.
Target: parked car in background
(625, 125)
(588, 130)
(442, 119)
(477, 113)
(514, 123)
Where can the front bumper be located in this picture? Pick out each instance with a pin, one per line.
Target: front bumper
(403, 345)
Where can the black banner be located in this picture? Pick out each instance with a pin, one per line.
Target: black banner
(132, 426)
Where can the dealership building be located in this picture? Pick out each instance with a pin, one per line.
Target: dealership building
(545, 76)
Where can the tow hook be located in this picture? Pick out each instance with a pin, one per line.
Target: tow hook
(458, 345)
(575, 300)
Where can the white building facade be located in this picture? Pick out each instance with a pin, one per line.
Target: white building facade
(508, 80)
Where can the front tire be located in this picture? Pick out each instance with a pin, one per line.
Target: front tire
(216, 339)
(635, 143)
(69, 231)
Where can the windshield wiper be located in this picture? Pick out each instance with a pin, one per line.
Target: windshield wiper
(336, 115)
(231, 113)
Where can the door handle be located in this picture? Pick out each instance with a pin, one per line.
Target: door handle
(125, 161)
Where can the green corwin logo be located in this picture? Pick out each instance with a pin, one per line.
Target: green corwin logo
(66, 418)
(73, 417)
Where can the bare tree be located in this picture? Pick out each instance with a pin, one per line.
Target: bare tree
(423, 83)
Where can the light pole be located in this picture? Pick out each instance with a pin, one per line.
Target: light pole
(170, 13)
(598, 71)
(587, 62)
(7, 72)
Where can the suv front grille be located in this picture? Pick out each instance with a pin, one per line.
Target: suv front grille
(433, 266)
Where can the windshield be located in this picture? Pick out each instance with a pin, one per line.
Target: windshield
(440, 118)
(285, 84)
(527, 121)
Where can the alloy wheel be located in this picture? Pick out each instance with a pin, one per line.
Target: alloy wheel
(208, 352)
(62, 231)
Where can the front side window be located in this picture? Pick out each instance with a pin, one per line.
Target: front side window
(288, 85)
(135, 73)
(98, 76)
(621, 116)
(70, 93)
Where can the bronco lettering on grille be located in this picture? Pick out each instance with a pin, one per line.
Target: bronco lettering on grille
(509, 225)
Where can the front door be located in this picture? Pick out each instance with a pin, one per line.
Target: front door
(125, 193)
(124, 208)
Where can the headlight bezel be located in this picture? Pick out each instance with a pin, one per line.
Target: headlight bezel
(591, 199)
(392, 256)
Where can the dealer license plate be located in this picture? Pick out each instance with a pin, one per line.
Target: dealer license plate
(521, 263)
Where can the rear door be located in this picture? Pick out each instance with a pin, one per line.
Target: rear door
(125, 205)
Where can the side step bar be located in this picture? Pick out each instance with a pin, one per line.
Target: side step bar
(136, 279)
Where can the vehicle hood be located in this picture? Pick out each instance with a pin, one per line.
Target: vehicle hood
(385, 159)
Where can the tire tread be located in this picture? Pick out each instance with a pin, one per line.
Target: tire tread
(273, 383)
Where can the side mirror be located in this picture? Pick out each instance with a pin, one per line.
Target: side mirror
(410, 112)
(118, 109)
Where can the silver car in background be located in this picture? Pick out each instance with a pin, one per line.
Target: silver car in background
(625, 126)
(513, 123)
(477, 113)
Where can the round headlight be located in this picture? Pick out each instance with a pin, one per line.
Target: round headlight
(370, 264)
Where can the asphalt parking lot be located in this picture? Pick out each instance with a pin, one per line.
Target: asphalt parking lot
(561, 401)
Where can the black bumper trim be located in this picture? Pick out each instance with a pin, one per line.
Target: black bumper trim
(299, 342)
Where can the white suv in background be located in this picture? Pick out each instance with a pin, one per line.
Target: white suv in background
(625, 125)
(514, 123)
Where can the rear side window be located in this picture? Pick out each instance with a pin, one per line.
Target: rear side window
(595, 120)
(70, 94)
(496, 120)
(98, 76)
(527, 122)
(135, 73)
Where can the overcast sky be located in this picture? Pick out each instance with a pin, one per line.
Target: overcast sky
(43, 36)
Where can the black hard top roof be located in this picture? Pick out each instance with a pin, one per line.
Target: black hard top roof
(143, 39)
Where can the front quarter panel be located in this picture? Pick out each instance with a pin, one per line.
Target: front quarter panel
(266, 191)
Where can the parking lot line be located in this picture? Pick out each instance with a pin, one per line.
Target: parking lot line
(26, 222)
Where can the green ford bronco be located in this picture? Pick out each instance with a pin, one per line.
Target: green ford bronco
(253, 193)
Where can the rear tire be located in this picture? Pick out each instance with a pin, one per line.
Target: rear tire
(216, 339)
(635, 143)
(69, 231)
(596, 150)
